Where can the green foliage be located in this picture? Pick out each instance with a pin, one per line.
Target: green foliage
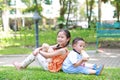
(25, 39)
(33, 8)
(61, 20)
(48, 2)
(3, 5)
(116, 3)
(26, 36)
(88, 34)
(35, 73)
(104, 1)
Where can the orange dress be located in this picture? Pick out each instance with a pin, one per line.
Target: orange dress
(56, 64)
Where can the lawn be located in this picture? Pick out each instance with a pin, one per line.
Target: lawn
(23, 42)
(36, 73)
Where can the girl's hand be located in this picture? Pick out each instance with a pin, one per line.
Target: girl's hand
(36, 51)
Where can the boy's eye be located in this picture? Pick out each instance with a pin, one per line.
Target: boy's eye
(80, 45)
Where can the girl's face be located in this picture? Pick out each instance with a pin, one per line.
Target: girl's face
(62, 39)
(80, 45)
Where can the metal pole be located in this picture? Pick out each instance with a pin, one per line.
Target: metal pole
(36, 33)
(36, 18)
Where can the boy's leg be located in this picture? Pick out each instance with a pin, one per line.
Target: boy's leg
(92, 66)
(99, 70)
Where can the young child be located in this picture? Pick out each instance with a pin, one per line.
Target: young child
(75, 62)
(57, 56)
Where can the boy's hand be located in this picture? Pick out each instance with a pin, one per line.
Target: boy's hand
(84, 54)
(85, 59)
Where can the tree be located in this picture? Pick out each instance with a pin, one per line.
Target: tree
(63, 9)
(5, 19)
(99, 8)
(116, 3)
(66, 8)
(89, 8)
(33, 5)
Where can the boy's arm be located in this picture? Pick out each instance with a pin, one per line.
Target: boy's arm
(84, 54)
(78, 63)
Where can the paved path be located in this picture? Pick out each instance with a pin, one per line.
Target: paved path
(110, 58)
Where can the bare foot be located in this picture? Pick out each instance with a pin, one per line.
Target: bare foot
(17, 65)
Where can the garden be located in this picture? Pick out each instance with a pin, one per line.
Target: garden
(23, 42)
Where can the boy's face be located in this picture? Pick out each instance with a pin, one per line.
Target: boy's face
(79, 46)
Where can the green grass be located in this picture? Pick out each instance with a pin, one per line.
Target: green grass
(36, 73)
(15, 50)
(22, 42)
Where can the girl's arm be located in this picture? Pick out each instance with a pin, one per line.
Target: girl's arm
(50, 49)
(54, 53)
(37, 50)
(53, 46)
(78, 63)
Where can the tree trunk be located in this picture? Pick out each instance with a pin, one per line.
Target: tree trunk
(69, 9)
(5, 19)
(99, 10)
(117, 8)
(89, 17)
(87, 7)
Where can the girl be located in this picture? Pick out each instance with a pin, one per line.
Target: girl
(57, 56)
(75, 62)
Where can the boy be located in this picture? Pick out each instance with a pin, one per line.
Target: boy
(75, 62)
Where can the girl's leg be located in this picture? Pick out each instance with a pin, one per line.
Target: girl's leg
(24, 63)
(28, 61)
(42, 61)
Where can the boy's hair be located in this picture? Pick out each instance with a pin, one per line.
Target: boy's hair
(75, 40)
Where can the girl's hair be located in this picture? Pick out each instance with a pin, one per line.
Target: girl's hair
(75, 40)
(68, 35)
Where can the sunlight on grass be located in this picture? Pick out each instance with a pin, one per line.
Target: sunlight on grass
(15, 50)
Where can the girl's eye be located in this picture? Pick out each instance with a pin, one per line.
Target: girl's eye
(58, 36)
